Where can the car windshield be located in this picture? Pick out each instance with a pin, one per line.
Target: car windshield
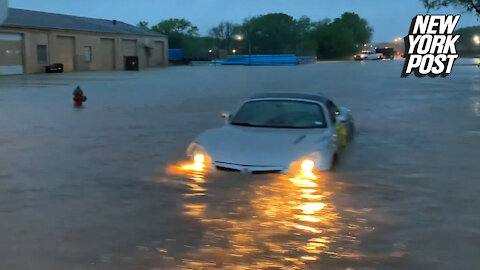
(280, 114)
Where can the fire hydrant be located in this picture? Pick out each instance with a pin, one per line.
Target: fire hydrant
(78, 97)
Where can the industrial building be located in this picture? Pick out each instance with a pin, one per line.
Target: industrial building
(3, 10)
(31, 40)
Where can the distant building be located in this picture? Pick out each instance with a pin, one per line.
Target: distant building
(3, 10)
(31, 40)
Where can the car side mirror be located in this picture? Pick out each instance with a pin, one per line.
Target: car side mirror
(226, 117)
(342, 115)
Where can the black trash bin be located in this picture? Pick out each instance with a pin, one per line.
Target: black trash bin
(55, 68)
(131, 63)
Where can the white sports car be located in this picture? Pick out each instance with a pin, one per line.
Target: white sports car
(276, 132)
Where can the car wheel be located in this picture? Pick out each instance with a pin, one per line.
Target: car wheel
(333, 163)
(351, 133)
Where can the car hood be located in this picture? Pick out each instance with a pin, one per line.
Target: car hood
(262, 146)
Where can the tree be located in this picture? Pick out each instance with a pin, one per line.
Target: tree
(224, 34)
(467, 44)
(177, 30)
(305, 44)
(361, 31)
(341, 37)
(469, 5)
(198, 48)
(272, 33)
(304, 26)
(143, 25)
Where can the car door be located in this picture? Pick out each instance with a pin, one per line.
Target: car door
(339, 127)
(332, 115)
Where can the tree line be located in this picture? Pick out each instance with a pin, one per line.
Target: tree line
(467, 5)
(274, 33)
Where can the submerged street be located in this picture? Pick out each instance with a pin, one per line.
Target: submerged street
(99, 187)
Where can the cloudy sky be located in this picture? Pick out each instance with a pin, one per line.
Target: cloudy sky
(389, 18)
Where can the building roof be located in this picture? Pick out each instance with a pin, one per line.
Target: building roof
(286, 95)
(38, 19)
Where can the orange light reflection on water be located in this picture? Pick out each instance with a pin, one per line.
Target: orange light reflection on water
(195, 172)
(290, 221)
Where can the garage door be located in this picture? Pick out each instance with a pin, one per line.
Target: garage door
(107, 54)
(159, 53)
(129, 47)
(11, 54)
(66, 52)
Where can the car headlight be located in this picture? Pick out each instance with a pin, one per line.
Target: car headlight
(310, 162)
(198, 155)
(306, 164)
(195, 148)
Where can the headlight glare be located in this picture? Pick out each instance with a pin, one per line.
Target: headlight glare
(199, 159)
(199, 156)
(308, 165)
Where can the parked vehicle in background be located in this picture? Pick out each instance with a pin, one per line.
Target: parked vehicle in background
(387, 52)
(367, 55)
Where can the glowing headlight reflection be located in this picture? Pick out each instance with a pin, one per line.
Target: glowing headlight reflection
(199, 159)
(307, 165)
(199, 162)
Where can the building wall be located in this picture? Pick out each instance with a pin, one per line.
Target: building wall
(3, 10)
(11, 56)
(65, 45)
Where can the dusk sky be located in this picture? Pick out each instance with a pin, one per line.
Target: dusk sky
(389, 20)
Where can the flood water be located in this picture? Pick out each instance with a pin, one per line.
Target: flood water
(90, 188)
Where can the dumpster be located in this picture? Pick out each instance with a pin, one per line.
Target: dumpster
(55, 68)
(131, 63)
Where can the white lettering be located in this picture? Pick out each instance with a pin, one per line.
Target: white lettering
(438, 69)
(449, 46)
(451, 60)
(421, 24)
(433, 25)
(413, 62)
(413, 41)
(437, 44)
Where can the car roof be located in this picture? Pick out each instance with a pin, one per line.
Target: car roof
(287, 95)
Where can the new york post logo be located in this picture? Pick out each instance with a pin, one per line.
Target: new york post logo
(430, 46)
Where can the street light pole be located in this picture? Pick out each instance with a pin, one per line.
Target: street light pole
(240, 38)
